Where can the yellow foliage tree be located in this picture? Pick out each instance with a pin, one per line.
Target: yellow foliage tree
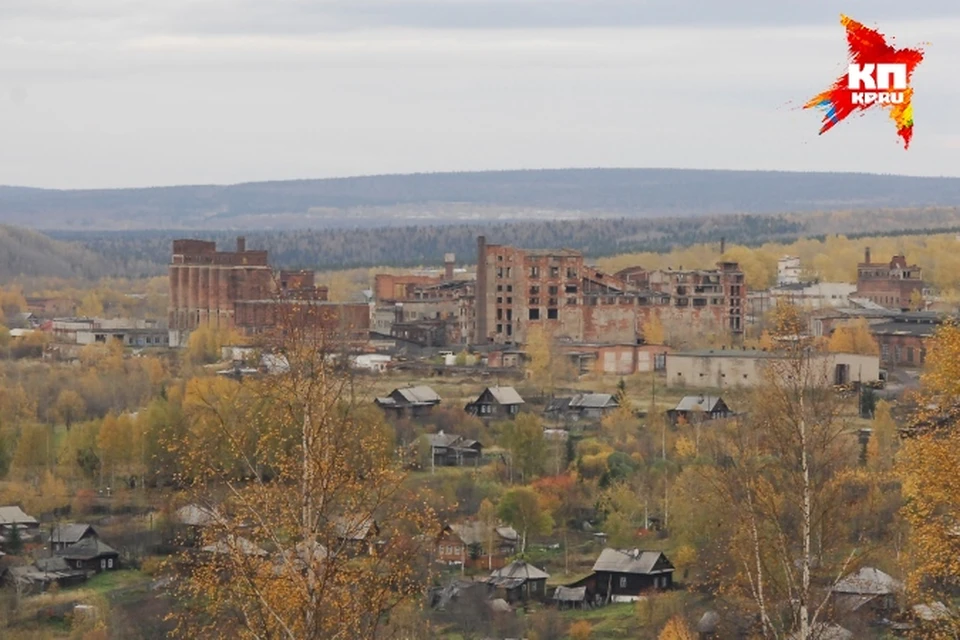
(928, 463)
(545, 365)
(91, 306)
(69, 407)
(305, 461)
(581, 630)
(853, 337)
(676, 629)
(653, 330)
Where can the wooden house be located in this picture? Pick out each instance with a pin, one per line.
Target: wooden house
(581, 407)
(91, 554)
(622, 575)
(66, 535)
(496, 403)
(519, 582)
(409, 402)
(450, 450)
(868, 593)
(702, 407)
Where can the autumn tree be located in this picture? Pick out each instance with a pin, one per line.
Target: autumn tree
(777, 488)
(653, 330)
(33, 451)
(91, 306)
(546, 366)
(928, 461)
(581, 630)
(69, 407)
(854, 337)
(676, 629)
(115, 441)
(521, 508)
(304, 473)
(523, 437)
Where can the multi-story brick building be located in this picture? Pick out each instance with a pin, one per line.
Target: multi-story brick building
(425, 309)
(238, 290)
(889, 284)
(517, 289)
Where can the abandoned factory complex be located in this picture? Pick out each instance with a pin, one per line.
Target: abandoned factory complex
(599, 320)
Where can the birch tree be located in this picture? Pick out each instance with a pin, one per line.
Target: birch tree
(315, 534)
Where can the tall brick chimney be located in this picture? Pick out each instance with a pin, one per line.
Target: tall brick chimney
(866, 255)
(449, 260)
(241, 244)
(480, 327)
(723, 246)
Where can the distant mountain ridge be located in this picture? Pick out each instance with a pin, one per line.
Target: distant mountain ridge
(440, 198)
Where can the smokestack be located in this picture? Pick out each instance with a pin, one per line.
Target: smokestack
(448, 261)
(241, 244)
(866, 255)
(723, 246)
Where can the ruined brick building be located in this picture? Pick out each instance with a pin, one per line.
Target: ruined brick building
(238, 290)
(428, 310)
(517, 289)
(890, 285)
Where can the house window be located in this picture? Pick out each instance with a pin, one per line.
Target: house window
(554, 272)
(571, 272)
(103, 563)
(551, 314)
(499, 287)
(534, 272)
(509, 288)
(534, 301)
(623, 582)
(534, 290)
(570, 288)
(534, 314)
(109, 563)
(554, 290)
(499, 328)
(571, 301)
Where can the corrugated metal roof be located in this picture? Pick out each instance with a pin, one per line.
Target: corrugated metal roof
(627, 561)
(570, 594)
(521, 570)
(591, 400)
(419, 394)
(15, 515)
(868, 581)
(505, 395)
(697, 403)
(69, 533)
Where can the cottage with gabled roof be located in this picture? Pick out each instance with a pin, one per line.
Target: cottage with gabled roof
(453, 450)
(65, 535)
(496, 402)
(622, 575)
(582, 406)
(519, 581)
(700, 407)
(91, 554)
(868, 589)
(409, 401)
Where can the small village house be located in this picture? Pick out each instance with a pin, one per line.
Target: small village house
(622, 575)
(67, 535)
(13, 517)
(357, 534)
(519, 582)
(581, 407)
(496, 403)
(700, 407)
(451, 450)
(570, 597)
(91, 554)
(474, 543)
(869, 592)
(409, 402)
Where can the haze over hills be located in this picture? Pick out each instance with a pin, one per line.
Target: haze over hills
(396, 200)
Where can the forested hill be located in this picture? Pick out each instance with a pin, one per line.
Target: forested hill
(24, 252)
(377, 201)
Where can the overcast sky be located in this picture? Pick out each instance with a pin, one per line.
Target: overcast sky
(113, 93)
